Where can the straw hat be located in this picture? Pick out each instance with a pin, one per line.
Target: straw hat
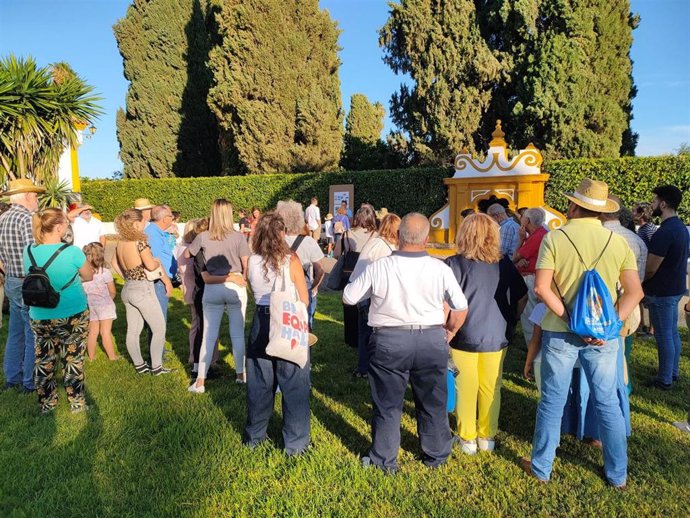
(380, 214)
(20, 186)
(143, 204)
(329, 216)
(593, 195)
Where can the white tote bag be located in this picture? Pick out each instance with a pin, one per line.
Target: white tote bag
(289, 328)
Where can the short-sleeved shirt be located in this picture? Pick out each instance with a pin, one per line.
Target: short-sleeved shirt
(510, 235)
(15, 235)
(530, 250)
(221, 257)
(309, 252)
(406, 288)
(160, 247)
(590, 237)
(64, 268)
(313, 217)
(493, 291)
(86, 232)
(646, 232)
(670, 241)
(97, 291)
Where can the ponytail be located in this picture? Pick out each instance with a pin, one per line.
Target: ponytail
(45, 221)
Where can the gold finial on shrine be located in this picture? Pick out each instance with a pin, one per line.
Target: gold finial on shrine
(498, 135)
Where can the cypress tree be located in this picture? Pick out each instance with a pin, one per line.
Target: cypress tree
(276, 92)
(569, 88)
(363, 148)
(439, 44)
(167, 128)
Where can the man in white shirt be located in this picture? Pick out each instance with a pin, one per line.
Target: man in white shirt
(409, 343)
(313, 217)
(87, 229)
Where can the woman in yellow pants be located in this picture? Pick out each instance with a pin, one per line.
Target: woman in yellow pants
(496, 294)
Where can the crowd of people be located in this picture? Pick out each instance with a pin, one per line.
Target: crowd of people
(409, 315)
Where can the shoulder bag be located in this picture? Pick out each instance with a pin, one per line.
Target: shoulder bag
(288, 337)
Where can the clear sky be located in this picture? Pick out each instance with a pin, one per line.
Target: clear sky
(80, 32)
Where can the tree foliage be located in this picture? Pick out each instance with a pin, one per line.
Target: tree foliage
(167, 129)
(40, 110)
(439, 45)
(363, 148)
(557, 72)
(276, 91)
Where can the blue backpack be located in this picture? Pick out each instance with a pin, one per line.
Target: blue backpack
(594, 313)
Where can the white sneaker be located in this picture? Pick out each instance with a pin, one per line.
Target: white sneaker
(486, 444)
(195, 389)
(468, 447)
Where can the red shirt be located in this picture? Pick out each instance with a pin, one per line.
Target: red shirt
(530, 250)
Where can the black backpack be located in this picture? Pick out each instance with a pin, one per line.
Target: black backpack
(36, 288)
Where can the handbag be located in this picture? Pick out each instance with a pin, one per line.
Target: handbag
(341, 272)
(154, 275)
(288, 337)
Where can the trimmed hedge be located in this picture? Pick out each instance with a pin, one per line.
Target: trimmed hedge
(631, 179)
(401, 190)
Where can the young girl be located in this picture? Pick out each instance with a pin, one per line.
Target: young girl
(100, 293)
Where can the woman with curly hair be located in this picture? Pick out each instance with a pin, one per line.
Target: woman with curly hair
(132, 260)
(271, 263)
(61, 331)
(496, 295)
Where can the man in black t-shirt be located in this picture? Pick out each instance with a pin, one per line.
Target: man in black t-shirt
(665, 279)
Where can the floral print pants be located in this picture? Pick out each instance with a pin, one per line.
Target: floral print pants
(66, 337)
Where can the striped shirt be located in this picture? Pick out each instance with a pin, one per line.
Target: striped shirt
(646, 231)
(15, 235)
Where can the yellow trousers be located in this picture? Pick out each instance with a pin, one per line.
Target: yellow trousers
(479, 393)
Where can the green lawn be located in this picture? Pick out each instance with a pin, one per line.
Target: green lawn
(149, 448)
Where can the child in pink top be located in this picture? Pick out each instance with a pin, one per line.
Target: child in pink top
(100, 293)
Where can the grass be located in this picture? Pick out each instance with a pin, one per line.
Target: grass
(149, 448)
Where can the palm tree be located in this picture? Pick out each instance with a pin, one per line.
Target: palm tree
(39, 109)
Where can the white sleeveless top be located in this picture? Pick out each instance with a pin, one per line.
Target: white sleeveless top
(261, 285)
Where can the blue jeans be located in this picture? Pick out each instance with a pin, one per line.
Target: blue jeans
(266, 373)
(18, 363)
(663, 313)
(311, 309)
(162, 298)
(599, 365)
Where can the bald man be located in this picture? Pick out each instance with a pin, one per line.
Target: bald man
(409, 342)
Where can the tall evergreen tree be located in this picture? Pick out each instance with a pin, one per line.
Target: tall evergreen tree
(439, 44)
(276, 90)
(167, 128)
(569, 84)
(363, 148)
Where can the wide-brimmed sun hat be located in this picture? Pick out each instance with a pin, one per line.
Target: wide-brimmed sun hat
(593, 195)
(20, 186)
(329, 216)
(143, 204)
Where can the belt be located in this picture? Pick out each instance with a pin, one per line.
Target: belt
(410, 327)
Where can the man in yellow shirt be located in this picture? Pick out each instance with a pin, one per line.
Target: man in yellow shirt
(560, 268)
